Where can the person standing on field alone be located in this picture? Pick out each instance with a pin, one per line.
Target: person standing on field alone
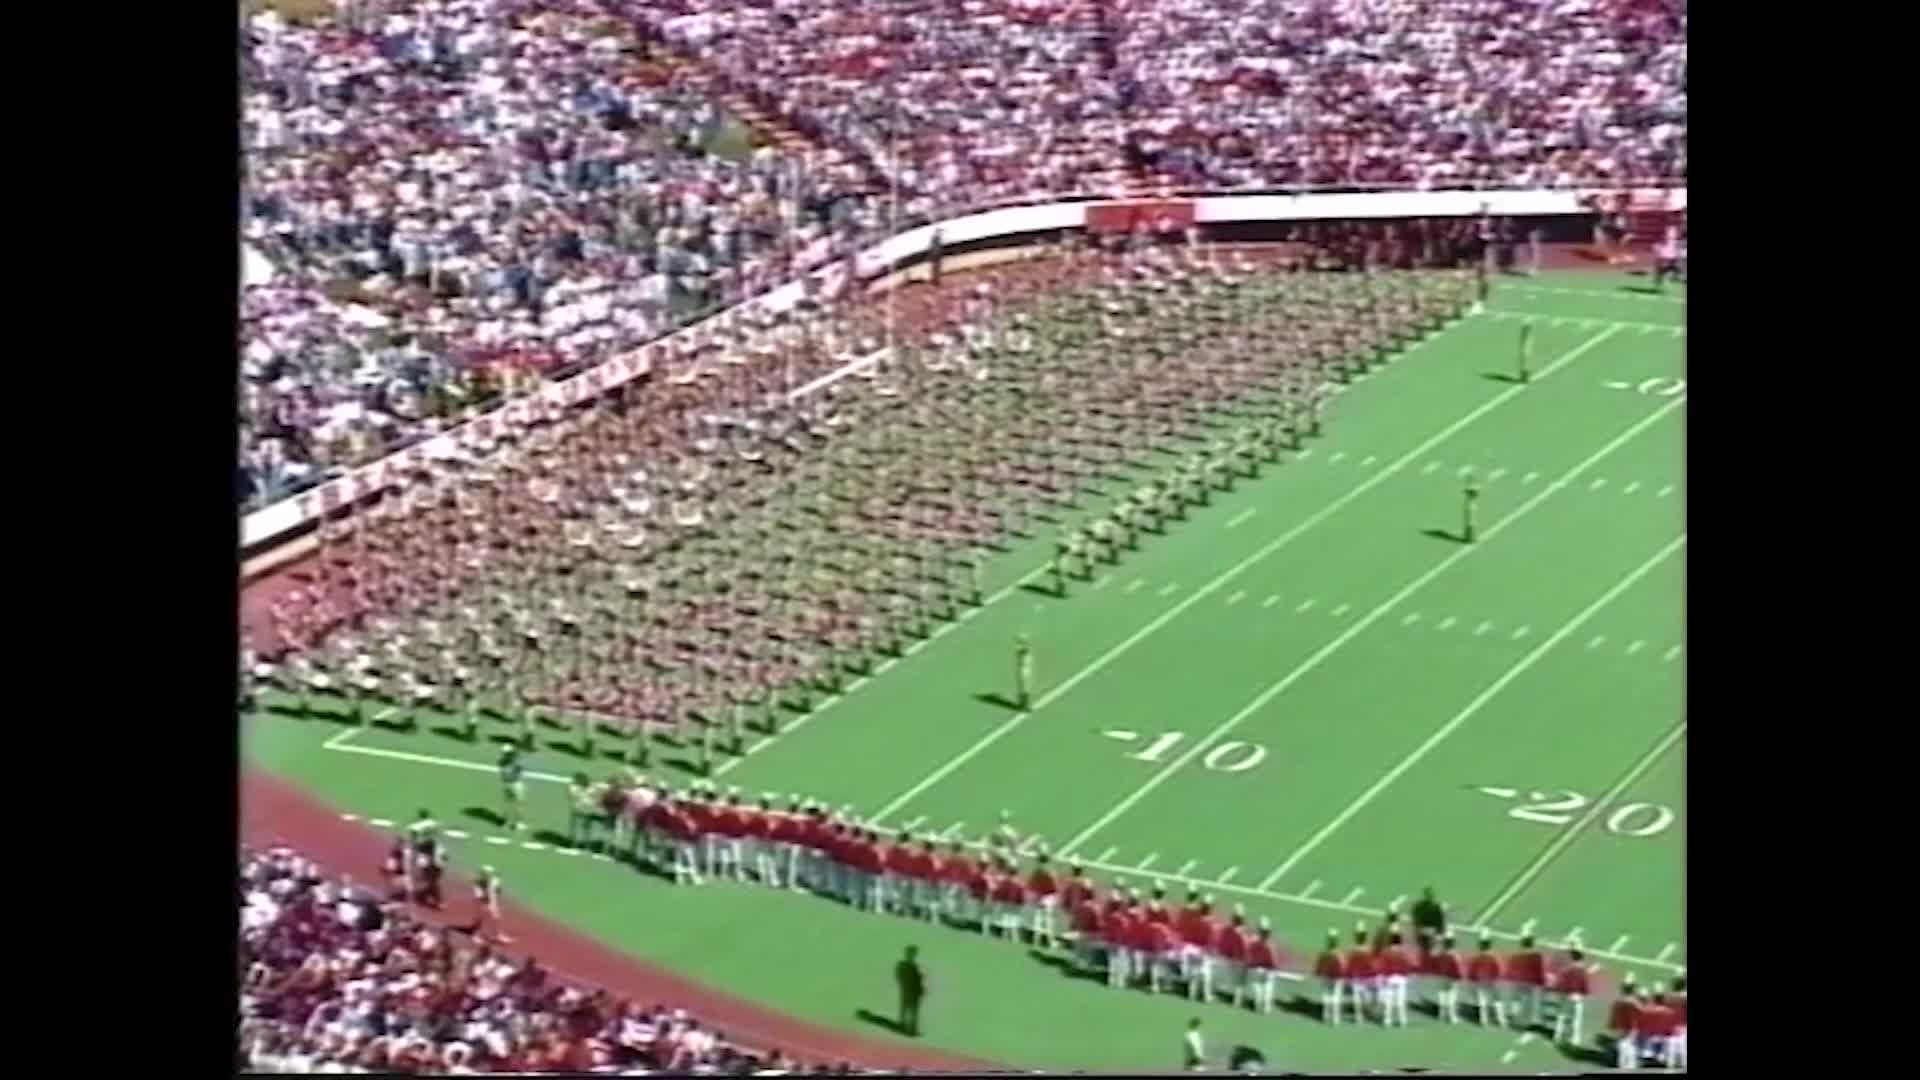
(1193, 1052)
(913, 989)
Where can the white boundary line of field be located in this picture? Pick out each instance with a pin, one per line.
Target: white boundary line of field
(1091, 866)
(1372, 480)
(1354, 630)
(1493, 689)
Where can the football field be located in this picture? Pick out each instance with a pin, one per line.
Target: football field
(1311, 698)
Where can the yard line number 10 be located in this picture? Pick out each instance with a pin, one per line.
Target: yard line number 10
(1232, 756)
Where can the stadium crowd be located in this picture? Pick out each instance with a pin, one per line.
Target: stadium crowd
(459, 197)
(337, 978)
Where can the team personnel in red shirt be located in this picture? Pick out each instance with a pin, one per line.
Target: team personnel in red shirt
(1445, 970)
(761, 827)
(1623, 1022)
(1676, 1056)
(1569, 987)
(929, 873)
(1483, 971)
(1394, 974)
(1089, 933)
(1164, 950)
(1043, 917)
(896, 876)
(1525, 975)
(1119, 938)
(1232, 949)
(731, 826)
(1009, 901)
(980, 891)
(1331, 969)
(1654, 1028)
(959, 883)
(1263, 967)
(1199, 936)
(1361, 975)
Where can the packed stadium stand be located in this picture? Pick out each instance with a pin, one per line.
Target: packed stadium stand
(449, 199)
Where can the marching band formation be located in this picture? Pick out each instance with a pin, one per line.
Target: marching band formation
(700, 555)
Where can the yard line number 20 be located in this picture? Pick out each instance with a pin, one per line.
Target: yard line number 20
(1231, 756)
(1627, 819)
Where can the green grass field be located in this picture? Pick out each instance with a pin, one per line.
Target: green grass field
(1307, 699)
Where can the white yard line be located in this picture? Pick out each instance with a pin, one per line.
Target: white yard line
(1305, 606)
(1666, 952)
(1169, 588)
(1135, 584)
(1186, 868)
(1108, 854)
(1533, 657)
(1226, 877)
(1241, 517)
(1620, 943)
(1270, 601)
(1352, 896)
(1237, 597)
(1373, 480)
(1572, 832)
(1146, 862)
(428, 759)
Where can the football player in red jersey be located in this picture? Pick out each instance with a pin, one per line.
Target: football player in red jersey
(1443, 967)
(1361, 982)
(1569, 988)
(1483, 971)
(1331, 969)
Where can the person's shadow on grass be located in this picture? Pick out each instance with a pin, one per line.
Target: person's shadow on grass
(868, 1016)
(998, 700)
(1442, 534)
